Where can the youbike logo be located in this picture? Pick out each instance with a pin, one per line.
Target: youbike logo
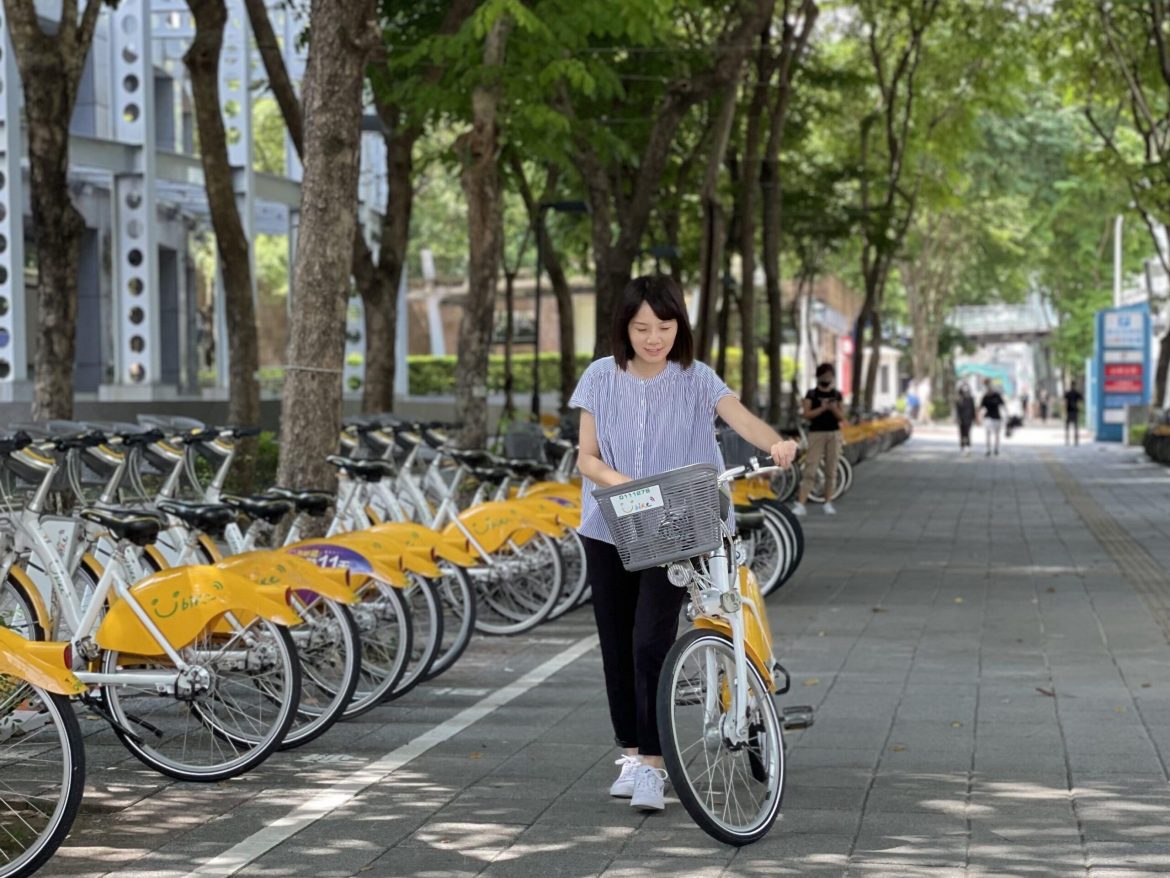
(638, 500)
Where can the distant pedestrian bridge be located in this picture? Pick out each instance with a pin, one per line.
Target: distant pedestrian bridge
(1032, 320)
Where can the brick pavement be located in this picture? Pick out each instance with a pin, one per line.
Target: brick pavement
(993, 700)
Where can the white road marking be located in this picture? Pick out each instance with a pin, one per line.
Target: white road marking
(259, 843)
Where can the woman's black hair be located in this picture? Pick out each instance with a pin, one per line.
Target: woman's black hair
(825, 369)
(666, 299)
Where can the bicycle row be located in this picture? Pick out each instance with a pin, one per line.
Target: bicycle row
(209, 632)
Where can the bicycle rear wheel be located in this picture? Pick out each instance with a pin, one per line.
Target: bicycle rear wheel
(573, 553)
(233, 712)
(732, 789)
(42, 775)
(458, 601)
(330, 651)
(383, 619)
(518, 591)
(426, 623)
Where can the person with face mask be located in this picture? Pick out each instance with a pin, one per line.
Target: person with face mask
(823, 408)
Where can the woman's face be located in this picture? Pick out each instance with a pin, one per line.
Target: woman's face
(650, 336)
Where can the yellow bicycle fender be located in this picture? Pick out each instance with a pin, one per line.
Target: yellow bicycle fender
(156, 557)
(555, 489)
(755, 622)
(39, 662)
(34, 595)
(550, 508)
(752, 651)
(182, 602)
(493, 524)
(414, 536)
(288, 571)
(359, 566)
(415, 559)
(213, 551)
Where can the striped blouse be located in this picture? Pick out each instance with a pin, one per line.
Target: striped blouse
(646, 427)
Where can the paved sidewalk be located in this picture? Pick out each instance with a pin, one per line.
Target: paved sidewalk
(985, 641)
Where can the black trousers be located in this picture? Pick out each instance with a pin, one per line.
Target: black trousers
(964, 434)
(637, 620)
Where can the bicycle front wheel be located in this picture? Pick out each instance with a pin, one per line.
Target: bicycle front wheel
(731, 786)
(42, 775)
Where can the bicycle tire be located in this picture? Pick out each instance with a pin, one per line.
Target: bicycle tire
(330, 653)
(311, 720)
(573, 553)
(504, 607)
(458, 600)
(792, 526)
(384, 624)
(768, 544)
(765, 758)
(426, 624)
(63, 811)
(17, 611)
(196, 720)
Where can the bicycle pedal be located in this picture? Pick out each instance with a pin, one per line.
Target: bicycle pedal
(797, 716)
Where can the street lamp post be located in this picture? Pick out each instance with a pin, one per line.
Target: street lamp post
(563, 207)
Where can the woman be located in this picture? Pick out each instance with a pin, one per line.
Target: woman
(823, 408)
(648, 408)
(965, 414)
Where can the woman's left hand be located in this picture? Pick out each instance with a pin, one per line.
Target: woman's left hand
(783, 453)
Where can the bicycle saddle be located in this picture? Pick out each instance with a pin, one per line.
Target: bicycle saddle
(15, 442)
(490, 473)
(210, 518)
(368, 470)
(311, 502)
(136, 525)
(535, 468)
(269, 509)
(474, 458)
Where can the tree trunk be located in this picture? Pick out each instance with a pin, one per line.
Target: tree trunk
(481, 187)
(50, 70)
(509, 330)
(343, 35)
(202, 62)
(748, 184)
(875, 356)
(556, 274)
(379, 282)
(714, 234)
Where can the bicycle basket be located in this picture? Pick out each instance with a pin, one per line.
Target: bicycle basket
(669, 517)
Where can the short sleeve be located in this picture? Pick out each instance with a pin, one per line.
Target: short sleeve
(585, 395)
(811, 396)
(712, 386)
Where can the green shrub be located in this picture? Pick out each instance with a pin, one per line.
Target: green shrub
(1137, 434)
(435, 376)
(940, 408)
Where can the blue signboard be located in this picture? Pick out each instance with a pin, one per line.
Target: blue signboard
(1121, 367)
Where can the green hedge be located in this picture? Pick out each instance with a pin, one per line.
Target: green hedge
(435, 376)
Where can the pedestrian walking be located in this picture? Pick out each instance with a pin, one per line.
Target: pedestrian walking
(965, 415)
(992, 405)
(1042, 399)
(647, 409)
(1072, 413)
(1024, 413)
(823, 408)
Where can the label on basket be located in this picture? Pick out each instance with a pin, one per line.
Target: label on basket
(636, 501)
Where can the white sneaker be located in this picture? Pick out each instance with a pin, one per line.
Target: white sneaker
(649, 783)
(830, 509)
(798, 508)
(623, 787)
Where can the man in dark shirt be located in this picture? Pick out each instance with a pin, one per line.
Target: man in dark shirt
(1072, 412)
(823, 408)
(992, 406)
